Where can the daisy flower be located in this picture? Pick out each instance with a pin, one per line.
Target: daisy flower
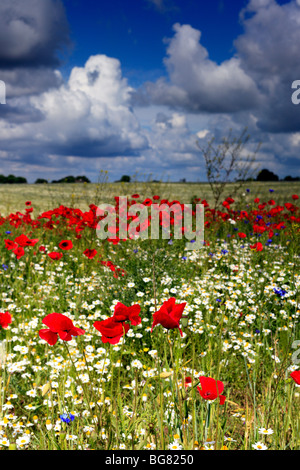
(259, 446)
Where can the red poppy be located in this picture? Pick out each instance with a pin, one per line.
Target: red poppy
(229, 200)
(28, 203)
(111, 330)
(211, 389)
(65, 245)
(188, 382)
(242, 235)
(123, 313)
(10, 245)
(23, 240)
(295, 196)
(169, 315)
(55, 255)
(5, 319)
(19, 252)
(59, 325)
(257, 246)
(147, 202)
(296, 376)
(90, 253)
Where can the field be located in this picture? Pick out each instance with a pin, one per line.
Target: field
(47, 196)
(142, 344)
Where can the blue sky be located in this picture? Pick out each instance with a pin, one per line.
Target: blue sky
(131, 86)
(134, 31)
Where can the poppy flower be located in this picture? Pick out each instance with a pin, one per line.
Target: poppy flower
(10, 245)
(23, 240)
(296, 376)
(28, 203)
(19, 252)
(123, 313)
(58, 325)
(257, 246)
(65, 245)
(295, 196)
(55, 255)
(90, 253)
(111, 330)
(211, 389)
(242, 235)
(5, 319)
(188, 382)
(169, 315)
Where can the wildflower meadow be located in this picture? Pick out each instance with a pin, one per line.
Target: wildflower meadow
(141, 344)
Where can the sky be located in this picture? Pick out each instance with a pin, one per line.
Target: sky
(137, 87)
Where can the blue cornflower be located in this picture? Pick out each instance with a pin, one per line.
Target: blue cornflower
(67, 418)
(8, 232)
(170, 242)
(184, 258)
(135, 251)
(248, 190)
(271, 190)
(280, 292)
(5, 267)
(224, 252)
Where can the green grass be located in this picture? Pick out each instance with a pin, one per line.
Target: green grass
(81, 195)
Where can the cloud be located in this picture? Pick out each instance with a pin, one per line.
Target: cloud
(89, 116)
(257, 79)
(269, 54)
(32, 32)
(196, 83)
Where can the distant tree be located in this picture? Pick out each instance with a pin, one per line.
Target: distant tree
(291, 178)
(20, 180)
(125, 179)
(40, 181)
(227, 162)
(266, 175)
(11, 179)
(68, 179)
(82, 179)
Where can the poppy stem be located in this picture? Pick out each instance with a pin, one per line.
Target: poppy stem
(153, 280)
(207, 422)
(78, 381)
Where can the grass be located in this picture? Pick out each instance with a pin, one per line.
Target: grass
(46, 196)
(86, 394)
